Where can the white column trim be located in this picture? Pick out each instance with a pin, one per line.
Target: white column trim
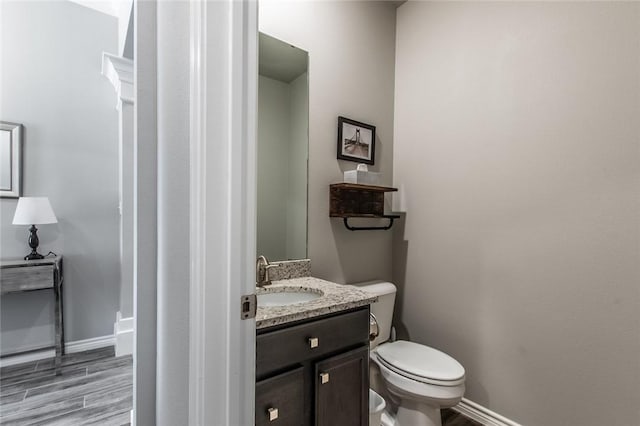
(119, 71)
(123, 334)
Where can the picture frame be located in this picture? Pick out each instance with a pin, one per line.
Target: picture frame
(356, 141)
(10, 160)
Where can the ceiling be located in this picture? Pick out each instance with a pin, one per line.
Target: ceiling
(110, 7)
(279, 60)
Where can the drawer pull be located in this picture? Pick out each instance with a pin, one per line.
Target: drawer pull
(324, 378)
(314, 342)
(273, 414)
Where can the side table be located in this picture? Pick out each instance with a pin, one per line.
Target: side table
(35, 275)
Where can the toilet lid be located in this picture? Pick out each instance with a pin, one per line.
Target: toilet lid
(421, 361)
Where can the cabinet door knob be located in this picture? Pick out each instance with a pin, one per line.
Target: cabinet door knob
(324, 378)
(273, 414)
(314, 342)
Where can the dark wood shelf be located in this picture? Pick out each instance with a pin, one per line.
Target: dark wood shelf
(351, 200)
(361, 187)
(367, 216)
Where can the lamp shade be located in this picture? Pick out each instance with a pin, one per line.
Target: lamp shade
(34, 211)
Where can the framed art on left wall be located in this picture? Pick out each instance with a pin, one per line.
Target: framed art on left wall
(10, 160)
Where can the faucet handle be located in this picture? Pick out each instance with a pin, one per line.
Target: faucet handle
(267, 278)
(261, 270)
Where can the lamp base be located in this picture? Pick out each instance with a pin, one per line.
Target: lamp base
(33, 256)
(33, 243)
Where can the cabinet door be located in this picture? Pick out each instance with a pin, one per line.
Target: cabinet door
(280, 399)
(342, 389)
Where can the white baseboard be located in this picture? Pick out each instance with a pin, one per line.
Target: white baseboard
(27, 357)
(26, 349)
(123, 332)
(70, 347)
(85, 345)
(482, 414)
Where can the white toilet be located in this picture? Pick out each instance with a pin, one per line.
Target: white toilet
(422, 380)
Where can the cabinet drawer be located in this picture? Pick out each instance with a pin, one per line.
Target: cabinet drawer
(280, 399)
(26, 278)
(279, 349)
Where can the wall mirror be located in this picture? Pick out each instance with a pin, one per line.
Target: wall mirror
(283, 147)
(10, 159)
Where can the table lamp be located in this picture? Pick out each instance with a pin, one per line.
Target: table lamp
(34, 211)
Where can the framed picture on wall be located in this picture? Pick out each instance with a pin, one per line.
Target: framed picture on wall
(356, 141)
(10, 159)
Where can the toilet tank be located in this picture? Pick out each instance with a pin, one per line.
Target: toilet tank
(383, 308)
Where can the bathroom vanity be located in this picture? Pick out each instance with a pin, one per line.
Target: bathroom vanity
(312, 358)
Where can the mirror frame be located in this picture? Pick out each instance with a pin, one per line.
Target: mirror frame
(14, 162)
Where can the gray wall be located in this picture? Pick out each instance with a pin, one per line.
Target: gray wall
(51, 83)
(274, 122)
(517, 143)
(351, 70)
(298, 168)
(282, 168)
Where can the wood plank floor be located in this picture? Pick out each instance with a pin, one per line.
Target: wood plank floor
(453, 418)
(95, 388)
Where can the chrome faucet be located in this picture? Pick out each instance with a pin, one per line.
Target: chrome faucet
(262, 271)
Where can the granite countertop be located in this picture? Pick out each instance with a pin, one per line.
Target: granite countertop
(336, 298)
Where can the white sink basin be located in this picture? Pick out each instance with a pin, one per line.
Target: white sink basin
(286, 297)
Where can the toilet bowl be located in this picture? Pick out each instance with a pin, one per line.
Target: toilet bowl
(422, 380)
(421, 392)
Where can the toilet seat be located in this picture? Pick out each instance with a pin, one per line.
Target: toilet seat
(421, 363)
(409, 389)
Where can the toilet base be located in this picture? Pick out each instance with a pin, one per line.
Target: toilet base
(387, 419)
(411, 413)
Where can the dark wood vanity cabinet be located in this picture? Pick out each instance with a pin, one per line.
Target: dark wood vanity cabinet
(314, 373)
(344, 398)
(280, 399)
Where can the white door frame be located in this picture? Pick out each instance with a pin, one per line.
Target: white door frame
(222, 225)
(145, 214)
(224, 70)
